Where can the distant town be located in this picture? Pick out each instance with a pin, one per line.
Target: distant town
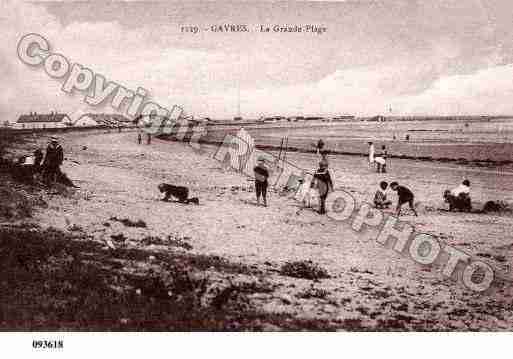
(53, 119)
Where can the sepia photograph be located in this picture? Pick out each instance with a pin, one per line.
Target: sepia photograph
(255, 166)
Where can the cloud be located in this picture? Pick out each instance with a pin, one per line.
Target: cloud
(484, 92)
(404, 62)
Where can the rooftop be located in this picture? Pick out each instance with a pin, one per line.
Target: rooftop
(49, 117)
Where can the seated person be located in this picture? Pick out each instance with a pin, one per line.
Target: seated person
(380, 198)
(459, 197)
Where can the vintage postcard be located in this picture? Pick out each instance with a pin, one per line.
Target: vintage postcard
(256, 166)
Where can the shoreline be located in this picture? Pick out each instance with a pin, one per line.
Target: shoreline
(273, 147)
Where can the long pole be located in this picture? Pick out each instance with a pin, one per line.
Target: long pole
(286, 147)
(281, 147)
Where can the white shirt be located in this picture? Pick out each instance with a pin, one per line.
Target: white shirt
(460, 189)
(371, 153)
(380, 160)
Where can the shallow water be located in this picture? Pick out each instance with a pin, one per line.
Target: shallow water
(472, 141)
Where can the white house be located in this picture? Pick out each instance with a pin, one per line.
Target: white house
(85, 121)
(35, 120)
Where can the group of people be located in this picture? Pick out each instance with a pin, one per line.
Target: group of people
(148, 138)
(46, 165)
(404, 196)
(458, 198)
(322, 182)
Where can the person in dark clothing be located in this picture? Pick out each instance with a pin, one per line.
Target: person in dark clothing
(261, 175)
(52, 162)
(320, 146)
(38, 158)
(139, 138)
(405, 196)
(324, 184)
(148, 139)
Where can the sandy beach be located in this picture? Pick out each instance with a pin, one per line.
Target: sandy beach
(368, 287)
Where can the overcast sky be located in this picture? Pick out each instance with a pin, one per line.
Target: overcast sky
(415, 57)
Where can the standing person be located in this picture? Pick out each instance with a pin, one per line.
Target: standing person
(261, 175)
(381, 160)
(320, 146)
(139, 138)
(324, 184)
(371, 153)
(148, 139)
(53, 160)
(405, 196)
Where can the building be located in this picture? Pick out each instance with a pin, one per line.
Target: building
(86, 121)
(343, 118)
(165, 125)
(295, 118)
(378, 118)
(272, 119)
(103, 119)
(50, 120)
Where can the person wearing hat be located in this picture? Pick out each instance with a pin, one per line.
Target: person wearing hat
(53, 160)
(261, 175)
(323, 183)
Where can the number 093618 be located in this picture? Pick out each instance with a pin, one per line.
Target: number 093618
(47, 344)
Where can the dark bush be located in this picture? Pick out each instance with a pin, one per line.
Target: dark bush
(304, 269)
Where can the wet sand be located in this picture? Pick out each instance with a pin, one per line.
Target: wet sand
(490, 143)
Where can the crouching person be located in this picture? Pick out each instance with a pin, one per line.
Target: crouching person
(380, 198)
(404, 195)
(459, 197)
